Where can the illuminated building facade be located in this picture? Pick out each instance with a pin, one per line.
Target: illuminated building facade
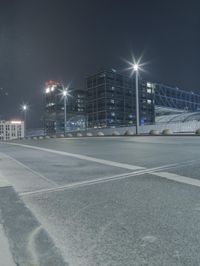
(11, 130)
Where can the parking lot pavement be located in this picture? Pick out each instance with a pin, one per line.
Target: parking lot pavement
(112, 201)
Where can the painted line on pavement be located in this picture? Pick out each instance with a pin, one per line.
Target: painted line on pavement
(179, 178)
(81, 157)
(104, 179)
(31, 170)
(3, 182)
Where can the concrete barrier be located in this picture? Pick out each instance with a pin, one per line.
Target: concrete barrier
(115, 133)
(154, 132)
(34, 138)
(167, 131)
(99, 134)
(69, 135)
(79, 135)
(89, 134)
(61, 135)
(197, 131)
(47, 137)
(40, 137)
(128, 133)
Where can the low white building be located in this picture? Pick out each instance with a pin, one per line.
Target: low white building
(11, 130)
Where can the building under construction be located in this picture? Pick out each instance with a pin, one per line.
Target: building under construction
(110, 100)
(54, 109)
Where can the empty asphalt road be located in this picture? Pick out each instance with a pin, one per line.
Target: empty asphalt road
(106, 201)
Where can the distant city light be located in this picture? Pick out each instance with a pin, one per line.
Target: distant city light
(47, 90)
(16, 122)
(52, 88)
(24, 107)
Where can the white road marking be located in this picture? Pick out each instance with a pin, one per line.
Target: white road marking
(3, 182)
(31, 170)
(102, 179)
(179, 178)
(81, 157)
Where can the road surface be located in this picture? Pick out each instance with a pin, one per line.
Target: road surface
(106, 201)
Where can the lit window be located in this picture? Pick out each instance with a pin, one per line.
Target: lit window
(47, 90)
(149, 101)
(52, 88)
(149, 85)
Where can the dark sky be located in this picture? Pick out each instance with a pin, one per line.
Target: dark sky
(67, 40)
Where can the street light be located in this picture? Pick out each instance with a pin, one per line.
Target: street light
(24, 109)
(64, 94)
(136, 70)
(136, 66)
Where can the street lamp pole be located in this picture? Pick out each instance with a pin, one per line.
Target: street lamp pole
(65, 110)
(24, 108)
(137, 103)
(137, 100)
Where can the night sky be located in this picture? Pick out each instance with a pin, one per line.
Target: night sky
(67, 40)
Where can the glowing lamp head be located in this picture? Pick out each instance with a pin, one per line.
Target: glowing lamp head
(64, 93)
(24, 107)
(135, 67)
